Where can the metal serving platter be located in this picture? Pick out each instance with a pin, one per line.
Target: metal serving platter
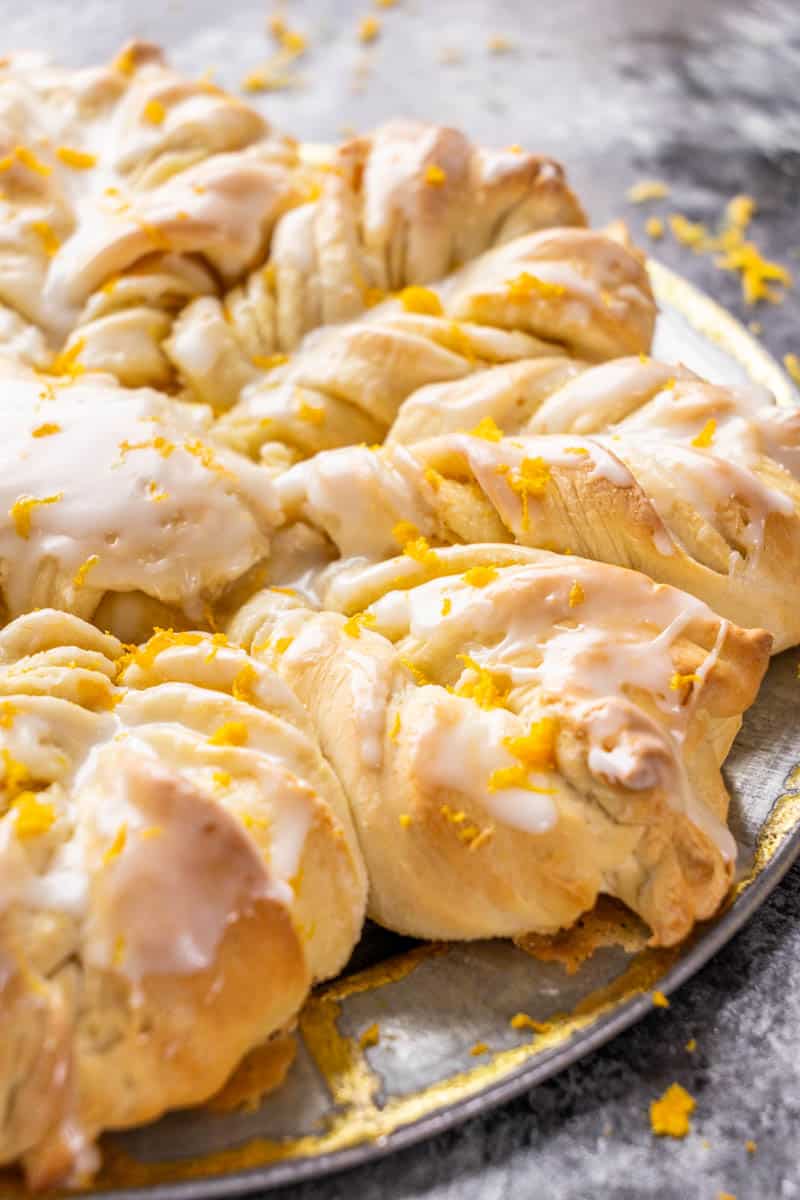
(446, 1048)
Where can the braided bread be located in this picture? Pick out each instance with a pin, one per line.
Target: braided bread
(439, 709)
(516, 739)
(178, 864)
(403, 206)
(129, 168)
(694, 484)
(589, 294)
(114, 504)
(130, 192)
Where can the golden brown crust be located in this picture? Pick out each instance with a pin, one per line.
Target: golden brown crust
(695, 484)
(414, 733)
(532, 297)
(178, 865)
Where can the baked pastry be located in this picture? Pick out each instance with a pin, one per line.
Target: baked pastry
(549, 292)
(177, 865)
(130, 191)
(114, 504)
(508, 395)
(405, 205)
(485, 734)
(126, 191)
(696, 484)
(516, 739)
(633, 462)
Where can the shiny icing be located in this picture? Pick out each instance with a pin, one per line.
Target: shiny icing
(597, 656)
(106, 772)
(710, 444)
(129, 161)
(686, 443)
(495, 465)
(458, 749)
(125, 494)
(336, 490)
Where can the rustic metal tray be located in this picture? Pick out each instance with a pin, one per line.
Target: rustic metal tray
(446, 1048)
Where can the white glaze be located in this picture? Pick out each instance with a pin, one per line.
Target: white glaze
(458, 748)
(653, 413)
(168, 547)
(179, 937)
(521, 628)
(357, 496)
(112, 768)
(708, 482)
(484, 459)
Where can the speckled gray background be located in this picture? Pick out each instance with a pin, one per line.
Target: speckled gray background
(706, 95)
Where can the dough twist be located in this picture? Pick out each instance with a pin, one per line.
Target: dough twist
(403, 206)
(515, 739)
(556, 290)
(129, 168)
(633, 462)
(177, 864)
(130, 192)
(116, 504)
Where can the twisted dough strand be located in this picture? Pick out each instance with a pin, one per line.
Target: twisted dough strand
(635, 463)
(128, 172)
(337, 234)
(516, 736)
(177, 865)
(545, 293)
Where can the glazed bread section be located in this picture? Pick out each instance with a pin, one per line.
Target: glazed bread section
(646, 465)
(131, 191)
(633, 462)
(127, 171)
(178, 865)
(492, 580)
(116, 504)
(403, 206)
(516, 738)
(552, 292)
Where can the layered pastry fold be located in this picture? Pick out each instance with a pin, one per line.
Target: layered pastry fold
(633, 462)
(518, 732)
(131, 191)
(177, 865)
(403, 206)
(557, 291)
(126, 191)
(117, 505)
